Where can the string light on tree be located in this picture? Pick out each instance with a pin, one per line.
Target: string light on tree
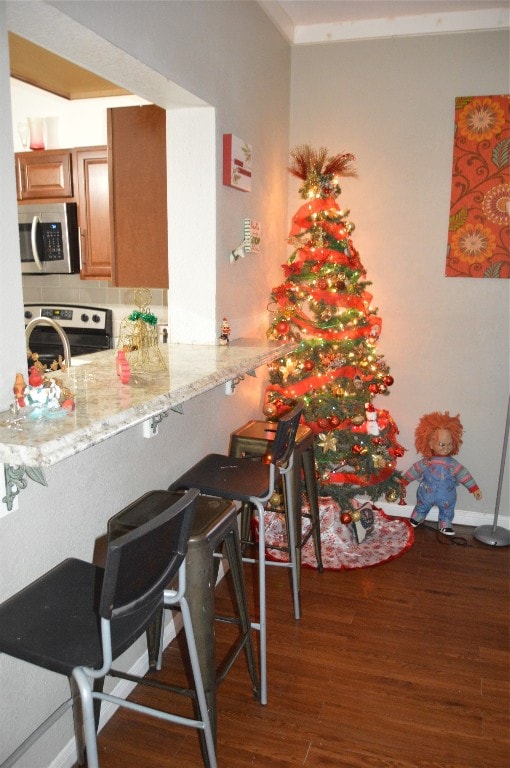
(323, 304)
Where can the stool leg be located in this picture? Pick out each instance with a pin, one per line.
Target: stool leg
(200, 586)
(261, 625)
(291, 505)
(312, 493)
(209, 733)
(233, 550)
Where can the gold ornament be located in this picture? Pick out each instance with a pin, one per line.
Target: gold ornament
(327, 442)
(288, 369)
(276, 500)
(391, 495)
(355, 516)
(269, 410)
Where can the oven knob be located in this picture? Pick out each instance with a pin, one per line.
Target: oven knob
(96, 319)
(28, 314)
(84, 318)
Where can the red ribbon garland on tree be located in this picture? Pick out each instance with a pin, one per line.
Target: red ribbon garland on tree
(355, 333)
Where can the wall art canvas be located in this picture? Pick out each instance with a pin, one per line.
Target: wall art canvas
(237, 157)
(479, 225)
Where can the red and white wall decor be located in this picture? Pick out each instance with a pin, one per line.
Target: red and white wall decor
(237, 159)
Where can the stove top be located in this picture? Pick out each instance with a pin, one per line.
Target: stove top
(89, 329)
(73, 317)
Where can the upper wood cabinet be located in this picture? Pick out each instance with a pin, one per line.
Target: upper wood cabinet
(91, 174)
(45, 175)
(138, 199)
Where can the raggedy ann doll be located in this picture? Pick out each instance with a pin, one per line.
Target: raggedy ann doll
(438, 436)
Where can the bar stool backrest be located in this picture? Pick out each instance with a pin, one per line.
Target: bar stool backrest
(283, 443)
(141, 563)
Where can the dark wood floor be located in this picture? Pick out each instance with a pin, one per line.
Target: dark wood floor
(403, 665)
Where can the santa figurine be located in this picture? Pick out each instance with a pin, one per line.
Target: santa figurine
(225, 332)
(438, 438)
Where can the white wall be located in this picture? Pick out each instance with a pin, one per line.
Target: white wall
(391, 103)
(177, 55)
(80, 123)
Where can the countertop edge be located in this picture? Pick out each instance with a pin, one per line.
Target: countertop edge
(58, 449)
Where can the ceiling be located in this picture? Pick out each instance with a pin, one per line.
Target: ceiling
(301, 21)
(316, 21)
(37, 66)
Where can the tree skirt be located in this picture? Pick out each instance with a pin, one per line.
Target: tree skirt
(389, 538)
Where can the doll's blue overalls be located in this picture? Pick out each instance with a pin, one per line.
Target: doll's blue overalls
(437, 487)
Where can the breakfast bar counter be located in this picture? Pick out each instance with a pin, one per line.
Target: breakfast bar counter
(105, 406)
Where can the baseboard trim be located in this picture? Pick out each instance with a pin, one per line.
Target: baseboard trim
(462, 517)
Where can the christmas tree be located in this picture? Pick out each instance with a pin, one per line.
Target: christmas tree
(335, 370)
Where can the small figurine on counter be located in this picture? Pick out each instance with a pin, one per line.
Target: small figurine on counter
(438, 436)
(225, 332)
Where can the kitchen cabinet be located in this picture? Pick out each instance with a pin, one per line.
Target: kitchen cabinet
(44, 175)
(121, 195)
(91, 164)
(138, 197)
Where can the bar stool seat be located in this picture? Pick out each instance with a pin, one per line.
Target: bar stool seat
(214, 527)
(254, 439)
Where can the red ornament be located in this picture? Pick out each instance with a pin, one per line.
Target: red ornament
(322, 423)
(334, 420)
(373, 389)
(388, 380)
(322, 283)
(398, 451)
(308, 365)
(356, 448)
(282, 327)
(345, 518)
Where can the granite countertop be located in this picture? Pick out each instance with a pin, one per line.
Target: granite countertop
(106, 407)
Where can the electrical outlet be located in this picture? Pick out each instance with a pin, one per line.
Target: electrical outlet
(150, 428)
(162, 333)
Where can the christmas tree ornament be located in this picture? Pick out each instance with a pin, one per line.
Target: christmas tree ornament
(270, 410)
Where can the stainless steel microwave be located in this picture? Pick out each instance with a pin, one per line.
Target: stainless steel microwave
(49, 239)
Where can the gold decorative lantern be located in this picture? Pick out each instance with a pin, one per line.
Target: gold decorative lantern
(139, 337)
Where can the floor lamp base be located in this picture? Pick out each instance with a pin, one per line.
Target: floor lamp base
(496, 536)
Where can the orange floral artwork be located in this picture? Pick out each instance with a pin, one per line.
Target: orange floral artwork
(479, 226)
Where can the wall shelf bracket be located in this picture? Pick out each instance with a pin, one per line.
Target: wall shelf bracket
(15, 481)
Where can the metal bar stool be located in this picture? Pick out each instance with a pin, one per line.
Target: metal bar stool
(78, 618)
(214, 526)
(255, 439)
(250, 481)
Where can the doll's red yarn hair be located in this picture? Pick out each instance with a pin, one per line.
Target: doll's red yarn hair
(429, 424)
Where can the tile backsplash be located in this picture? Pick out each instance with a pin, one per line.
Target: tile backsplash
(69, 289)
